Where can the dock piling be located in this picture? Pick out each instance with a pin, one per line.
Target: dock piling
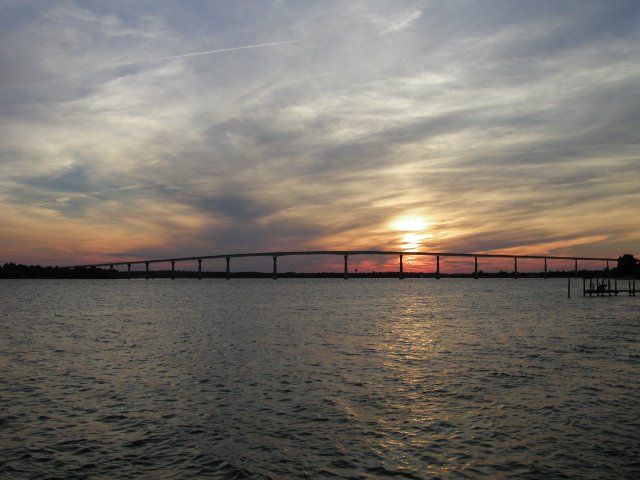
(437, 267)
(199, 269)
(173, 269)
(401, 276)
(228, 270)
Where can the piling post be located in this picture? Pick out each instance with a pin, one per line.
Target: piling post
(199, 269)
(228, 271)
(173, 269)
(401, 276)
(128, 271)
(545, 267)
(568, 287)
(475, 269)
(346, 267)
(576, 268)
(515, 267)
(437, 267)
(590, 286)
(609, 285)
(629, 287)
(275, 267)
(615, 285)
(146, 264)
(584, 287)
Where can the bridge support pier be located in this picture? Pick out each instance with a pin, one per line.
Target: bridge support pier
(401, 277)
(173, 269)
(146, 264)
(437, 267)
(275, 267)
(128, 271)
(475, 270)
(199, 269)
(346, 267)
(545, 267)
(228, 270)
(515, 267)
(576, 268)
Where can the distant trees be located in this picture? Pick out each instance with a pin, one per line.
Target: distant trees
(12, 270)
(628, 266)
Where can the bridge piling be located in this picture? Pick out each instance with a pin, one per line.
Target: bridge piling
(228, 270)
(199, 269)
(475, 270)
(401, 275)
(576, 268)
(545, 267)
(128, 271)
(173, 269)
(437, 267)
(275, 267)
(146, 270)
(346, 267)
(515, 267)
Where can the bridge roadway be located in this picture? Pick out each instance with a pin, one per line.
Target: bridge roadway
(346, 254)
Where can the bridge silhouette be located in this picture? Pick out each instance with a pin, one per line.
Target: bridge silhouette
(346, 254)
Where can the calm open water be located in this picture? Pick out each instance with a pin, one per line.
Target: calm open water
(321, 378)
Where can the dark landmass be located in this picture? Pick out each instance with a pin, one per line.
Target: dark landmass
(628, 267)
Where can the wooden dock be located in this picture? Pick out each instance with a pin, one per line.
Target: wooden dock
(605, 287)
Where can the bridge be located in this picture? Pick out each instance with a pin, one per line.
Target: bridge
(346, 254)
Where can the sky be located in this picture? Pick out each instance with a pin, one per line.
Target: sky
(460, 126)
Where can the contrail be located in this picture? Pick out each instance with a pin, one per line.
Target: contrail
(229, 49)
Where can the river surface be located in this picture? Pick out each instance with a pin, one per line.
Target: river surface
(317, 378)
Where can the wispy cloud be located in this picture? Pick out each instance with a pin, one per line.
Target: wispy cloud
(402, 23)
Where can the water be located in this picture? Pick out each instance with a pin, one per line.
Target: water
(322, 378)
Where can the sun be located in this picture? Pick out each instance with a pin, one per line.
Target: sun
(410, 224)
(413, 231)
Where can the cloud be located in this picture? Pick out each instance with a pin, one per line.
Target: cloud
(402, 23)
(497, 121)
